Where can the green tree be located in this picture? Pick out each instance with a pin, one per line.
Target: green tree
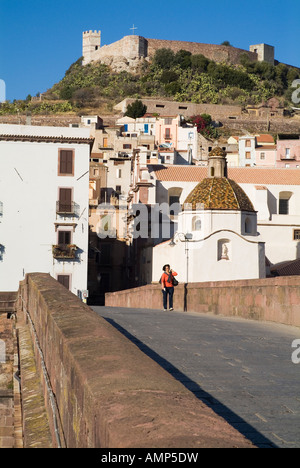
(199, 62)
(66, 92)
(136, 109)
(183, 59)
(293, 74)
(168, 76)
(172, 88)
(164, 58)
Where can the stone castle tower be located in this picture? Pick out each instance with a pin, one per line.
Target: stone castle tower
(130, 51)
(91, 42)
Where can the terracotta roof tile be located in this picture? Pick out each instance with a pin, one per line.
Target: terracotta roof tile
(266, 147)
(265, 139)
(287, 269)
(241, 175)
(219, 194)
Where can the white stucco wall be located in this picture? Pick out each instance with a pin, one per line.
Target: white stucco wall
(203, 262)
(29, 184)
(243, 149)
(275, 230)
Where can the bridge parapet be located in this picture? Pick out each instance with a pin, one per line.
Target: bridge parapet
(271, 299)
(102, 391)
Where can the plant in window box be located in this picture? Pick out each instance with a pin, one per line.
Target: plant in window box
(72, 248)
(64, 251)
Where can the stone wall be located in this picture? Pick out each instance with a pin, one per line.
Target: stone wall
(42, 120)
(134, 48)
(217, 53)
(164, 107)
(274, 125)
(270, 299)
(7, 439)
(108, 393)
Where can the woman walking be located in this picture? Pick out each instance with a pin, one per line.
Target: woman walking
(167, 286)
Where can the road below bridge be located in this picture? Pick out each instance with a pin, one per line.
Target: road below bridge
(242, 369)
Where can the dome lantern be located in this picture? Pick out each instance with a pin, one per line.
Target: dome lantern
(217, 163)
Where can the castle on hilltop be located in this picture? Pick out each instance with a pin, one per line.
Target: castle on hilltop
(130, 51)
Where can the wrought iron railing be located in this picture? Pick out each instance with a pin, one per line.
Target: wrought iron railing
(70, 208)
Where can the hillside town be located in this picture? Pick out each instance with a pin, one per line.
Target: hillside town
(118, 197)
(119, 186)
(150, 228)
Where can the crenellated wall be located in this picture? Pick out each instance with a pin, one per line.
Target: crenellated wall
(108, 393)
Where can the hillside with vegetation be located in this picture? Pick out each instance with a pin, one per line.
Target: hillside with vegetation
(178, 76)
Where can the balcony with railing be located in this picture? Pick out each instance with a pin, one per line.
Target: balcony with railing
(67, 209)
(287, 157)
(168, 136)
(65, 251)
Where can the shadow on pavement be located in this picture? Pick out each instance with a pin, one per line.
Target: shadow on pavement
(258, 439)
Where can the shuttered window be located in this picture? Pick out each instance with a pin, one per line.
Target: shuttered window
(65, 200)
(66, 164)
(64, 237)
(64, 280)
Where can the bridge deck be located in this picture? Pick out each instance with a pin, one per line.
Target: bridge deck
(242, 369)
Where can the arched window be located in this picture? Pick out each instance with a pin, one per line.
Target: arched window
(212, 171)
(174, 194)
(196, 224)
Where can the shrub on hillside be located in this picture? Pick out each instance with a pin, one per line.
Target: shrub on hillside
(136, 109)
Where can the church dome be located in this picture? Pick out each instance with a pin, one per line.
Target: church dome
(219, 193)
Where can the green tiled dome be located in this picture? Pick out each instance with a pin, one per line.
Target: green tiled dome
(219, 194)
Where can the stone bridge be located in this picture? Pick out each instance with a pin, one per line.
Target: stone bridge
(116, 377)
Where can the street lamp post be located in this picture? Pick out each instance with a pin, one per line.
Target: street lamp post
(187, 238)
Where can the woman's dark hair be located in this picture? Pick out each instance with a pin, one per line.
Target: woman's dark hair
(165, 266)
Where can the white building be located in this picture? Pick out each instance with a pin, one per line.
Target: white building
(187, 144)
(247, 144)
(217, 238)
(142, 125)
(44, 191)
(274, 193)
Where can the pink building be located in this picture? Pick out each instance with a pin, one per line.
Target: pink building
(265, 156)
(166, 130)
(288, 153)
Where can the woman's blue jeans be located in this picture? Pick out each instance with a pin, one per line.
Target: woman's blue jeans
(168, 292)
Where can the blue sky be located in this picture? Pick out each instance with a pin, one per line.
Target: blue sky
(40, 39)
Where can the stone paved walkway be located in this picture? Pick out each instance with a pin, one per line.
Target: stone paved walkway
(242, 369)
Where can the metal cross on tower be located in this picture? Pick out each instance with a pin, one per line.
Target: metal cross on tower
(133, 28)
